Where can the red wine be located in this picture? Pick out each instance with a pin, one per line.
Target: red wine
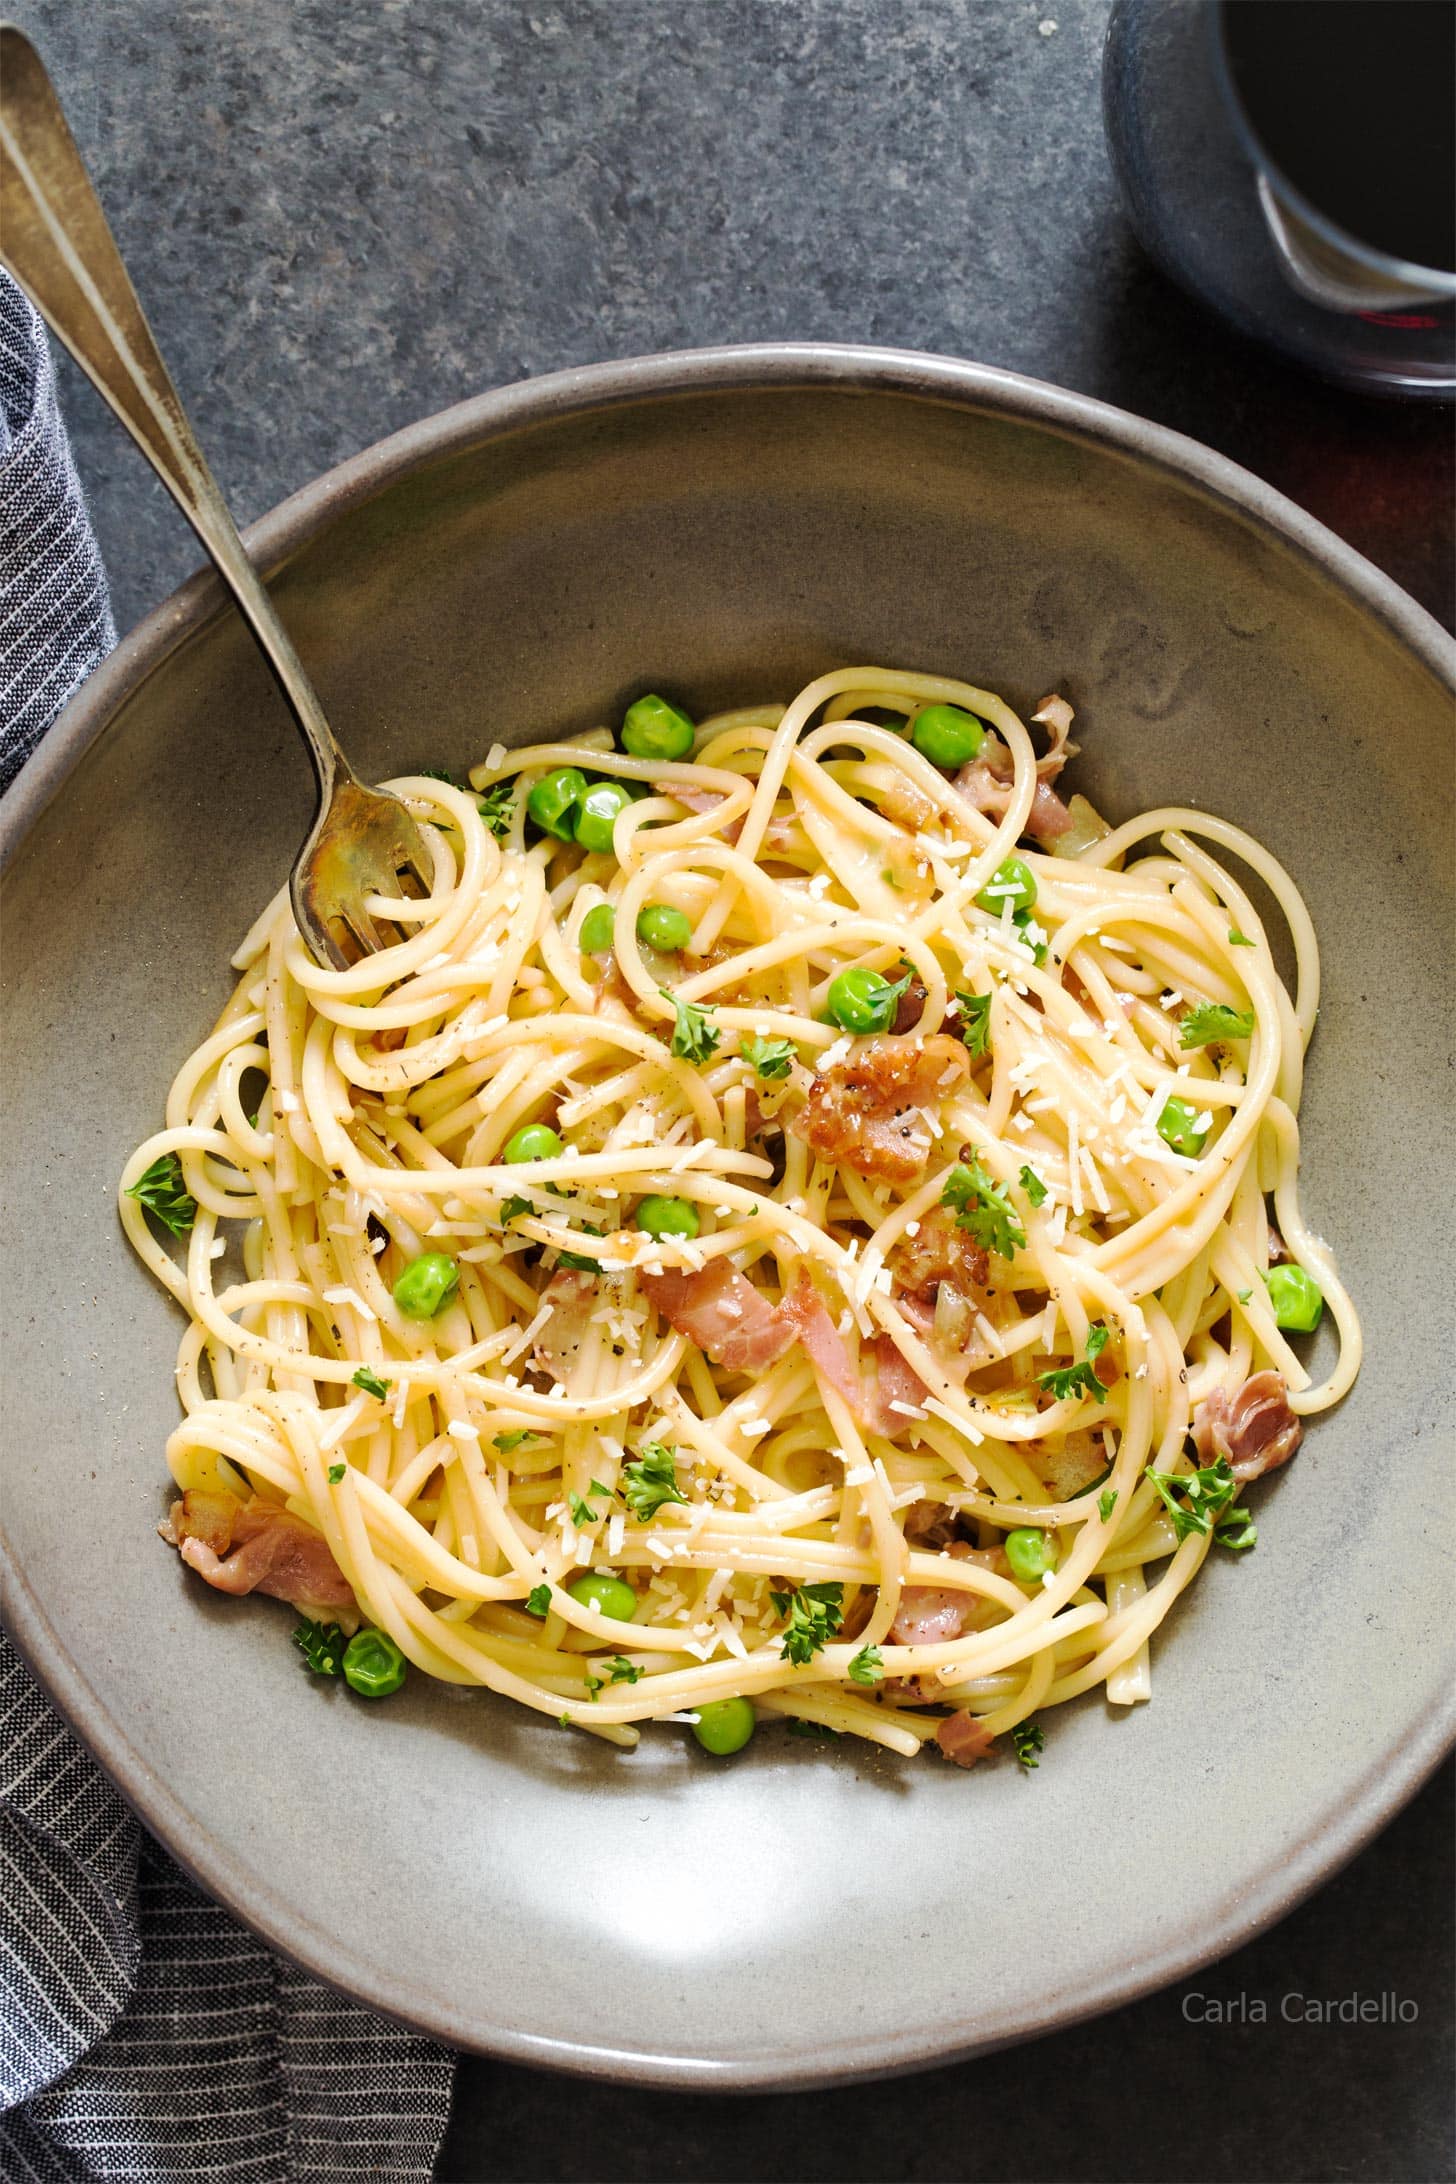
(1354, 102)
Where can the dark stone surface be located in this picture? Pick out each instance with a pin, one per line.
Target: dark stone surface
(344, 214)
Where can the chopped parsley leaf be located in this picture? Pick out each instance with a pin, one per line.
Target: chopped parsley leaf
(336, 1472)
(505, 1442)
(497, 807)
(815, 1614)
(1237, 1531)
(1068, 1381)
(161, 1192)
(322, 1646)
(1027, 1739)
(693, 1039)
(982, 1208)
(1214, 1021)
(868, 1666)
(1240, 940)
(819, 1731)
(538, 1600)
(1033, 1186)
(438, 773)
(577, 1260)
(621, 1670)
(511, 1208)
(579, 1506)
(768, 1058)
(651, 1481)
(1193, 1499)
(371, 1383)
(593, 1686)
(975, 1021)
(1244, 1295)
(1106, 1502)
(1026, 926)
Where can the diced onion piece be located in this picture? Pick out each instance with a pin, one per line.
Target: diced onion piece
(1088, 826)
(953, 1315)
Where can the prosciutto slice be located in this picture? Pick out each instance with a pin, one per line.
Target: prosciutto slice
(870, 1385)
(933, 1615)
(987, 781)
(720, 1310)
(1254, 1430)
(986, 784)
(895, 1381)
(777, 834)
(965, 1739)
(255, 1546)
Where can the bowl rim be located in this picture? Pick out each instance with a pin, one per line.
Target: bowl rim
(1333, 1838)
(746, 368)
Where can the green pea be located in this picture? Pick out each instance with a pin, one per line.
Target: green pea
(597, 929)
(1183, 1128)
(1297, 1299)
(1031, 1554)
(1013, 882)
(724, 1726)
(609, 1595)
(660, 926)
(667, 1217)
(552, 802)
(654, 729)
(426, 1285)
(861, 1000)
(373, 1664)
(596, 814)
(947, 736)
(533, 1141)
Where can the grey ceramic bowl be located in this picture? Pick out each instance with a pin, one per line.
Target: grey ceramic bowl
(726, 525)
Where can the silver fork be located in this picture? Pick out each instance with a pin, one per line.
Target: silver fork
(55, 241)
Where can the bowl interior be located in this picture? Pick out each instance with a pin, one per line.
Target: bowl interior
(805, 1909)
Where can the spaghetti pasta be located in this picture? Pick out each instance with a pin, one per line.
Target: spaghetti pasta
(805, 1298)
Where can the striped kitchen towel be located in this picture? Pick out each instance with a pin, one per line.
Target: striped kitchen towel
(144, 2034)
(55, 617)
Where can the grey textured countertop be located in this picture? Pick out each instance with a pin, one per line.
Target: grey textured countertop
(345, 214)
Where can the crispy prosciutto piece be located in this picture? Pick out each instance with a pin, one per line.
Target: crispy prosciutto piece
(939, 1251)
(255, 1546)
(863, 1112)
(720, 1310)
(965, 1739)
(910, 1009)
(1255, 1429)
(940, 1284)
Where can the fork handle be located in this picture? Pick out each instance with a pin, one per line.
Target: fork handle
(55, 241)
